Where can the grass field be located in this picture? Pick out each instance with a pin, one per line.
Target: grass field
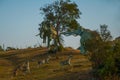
(79, 70)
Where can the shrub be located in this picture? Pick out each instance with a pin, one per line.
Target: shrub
(105, 58)
(10, 48)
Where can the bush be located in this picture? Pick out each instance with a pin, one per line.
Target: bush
(105, 57)
(10, 48)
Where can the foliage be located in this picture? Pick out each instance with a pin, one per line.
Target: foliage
(45, 32)
(61, 15)
(105, 33)
(105, 57)
(10, 48)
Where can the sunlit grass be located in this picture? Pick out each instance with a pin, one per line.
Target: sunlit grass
(51, 71)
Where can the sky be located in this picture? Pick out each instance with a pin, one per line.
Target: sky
(19, 20)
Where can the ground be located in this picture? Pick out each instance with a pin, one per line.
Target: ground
(79, 69)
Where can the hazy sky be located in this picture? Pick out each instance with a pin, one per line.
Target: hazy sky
(19, 20)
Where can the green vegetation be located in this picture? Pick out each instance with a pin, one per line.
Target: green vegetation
(105, 55)
(105, 33)
(59, 16)
(10, 48)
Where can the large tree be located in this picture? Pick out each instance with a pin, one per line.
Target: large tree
(62, 15)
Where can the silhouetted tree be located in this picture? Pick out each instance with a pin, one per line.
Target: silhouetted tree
(105, 33)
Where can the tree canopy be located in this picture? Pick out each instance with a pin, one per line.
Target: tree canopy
(61, 15)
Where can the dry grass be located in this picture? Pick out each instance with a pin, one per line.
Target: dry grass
(53, 71)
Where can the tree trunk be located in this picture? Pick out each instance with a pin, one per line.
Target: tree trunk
(58, 35)
(48, 43)
(58, 39)
(59, 42)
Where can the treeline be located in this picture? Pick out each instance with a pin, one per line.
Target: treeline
(15, 48)
(8, 48)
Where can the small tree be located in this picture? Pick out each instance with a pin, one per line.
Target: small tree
(105, 33)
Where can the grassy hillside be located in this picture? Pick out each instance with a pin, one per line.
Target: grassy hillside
(79, 70)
